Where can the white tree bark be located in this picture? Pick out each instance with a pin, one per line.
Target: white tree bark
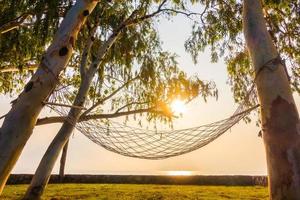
(279, 115)
(21, 119)
(63, 160)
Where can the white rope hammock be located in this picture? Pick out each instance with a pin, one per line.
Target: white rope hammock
(152, 144)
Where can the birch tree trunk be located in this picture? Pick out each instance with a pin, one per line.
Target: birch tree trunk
(27, 107)
(43, 172)
(63, 160)
(279, 115)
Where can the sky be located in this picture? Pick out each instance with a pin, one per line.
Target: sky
(239, 151)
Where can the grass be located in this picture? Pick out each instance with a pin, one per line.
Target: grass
(140, 192)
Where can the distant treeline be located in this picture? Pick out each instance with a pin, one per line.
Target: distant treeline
(148, 179)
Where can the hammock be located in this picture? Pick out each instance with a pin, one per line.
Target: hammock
(153, 144)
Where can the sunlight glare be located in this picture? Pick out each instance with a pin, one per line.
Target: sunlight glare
(180, 173)
(178, 107)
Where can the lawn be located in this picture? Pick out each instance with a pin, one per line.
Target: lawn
(140, 192)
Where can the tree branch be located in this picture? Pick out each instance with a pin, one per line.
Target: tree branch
(101, 101)
(15, 23)
(12, 68)
(86, 51)
(61, 119)
(130, 21)
(129, 104)
(160, 10)
(64, 105)
(19, 21)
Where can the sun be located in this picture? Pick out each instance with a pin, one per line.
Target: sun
(179, 173)
(178, 107)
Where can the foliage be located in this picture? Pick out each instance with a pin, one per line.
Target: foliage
(214, 28)
(18, 47)
(137, 54)
(220, 29)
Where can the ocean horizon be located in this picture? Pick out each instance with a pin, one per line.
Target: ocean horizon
(156, 173)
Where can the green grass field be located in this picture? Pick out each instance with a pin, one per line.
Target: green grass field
(140, 192)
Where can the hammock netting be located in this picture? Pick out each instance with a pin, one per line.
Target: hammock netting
(152, 144)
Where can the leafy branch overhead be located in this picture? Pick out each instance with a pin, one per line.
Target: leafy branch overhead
(217, 31)
(136, 54)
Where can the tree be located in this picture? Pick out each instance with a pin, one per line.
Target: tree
(159, 81)
(28, 105)
(279, 116)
